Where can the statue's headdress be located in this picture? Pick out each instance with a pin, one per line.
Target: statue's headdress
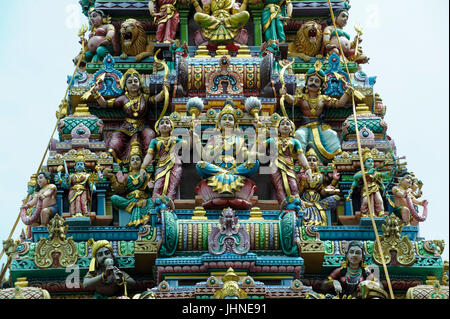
(317, 71)
(366, 153)
(80, 157)
(135, 149)
(228, 108)
(96, 245)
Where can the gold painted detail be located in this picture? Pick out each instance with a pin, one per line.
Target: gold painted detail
(47, 250)
(230, 287)
(392, 240)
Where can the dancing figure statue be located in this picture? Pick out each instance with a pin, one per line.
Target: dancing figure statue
(166, 17)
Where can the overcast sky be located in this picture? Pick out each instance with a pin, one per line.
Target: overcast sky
(407, 42)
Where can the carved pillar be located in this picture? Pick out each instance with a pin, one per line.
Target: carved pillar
(101, 202)
(184, 22)
(59, 201)
(256, 16)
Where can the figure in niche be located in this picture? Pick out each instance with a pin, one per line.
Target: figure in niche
(316, 195)
(312, 102)
(102, 39)
(79, 185)
(221, 21)
(274, 17)
(406, 202)
(375, 186)
(44, 201)
(135, 104)
(222, 152)
(166, 17)
(164, 149)
(283, 177)
(346, 279)
(135, 186)
(352, 50)
(104, 275)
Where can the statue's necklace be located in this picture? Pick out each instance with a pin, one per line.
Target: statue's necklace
(284, 143)
(165, 143)
(134, 103)
(135, 180)
(313, 103)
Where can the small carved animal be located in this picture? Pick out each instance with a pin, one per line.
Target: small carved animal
(308, 42)
(134, 41)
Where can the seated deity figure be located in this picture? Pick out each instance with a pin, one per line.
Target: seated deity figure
(316, 195)
(163, 149)
(221, 21)
(406, 202)
(104, 276)
(102, 38)
(79, 186)
(374, 184)
(287, 150)
(346, 279)
(222, 153)
(135, 104)
(136, 188)
(44, 200)
(312, 102)
(352, 50)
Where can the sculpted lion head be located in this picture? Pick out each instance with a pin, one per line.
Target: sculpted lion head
(309, 39)
(132, 37)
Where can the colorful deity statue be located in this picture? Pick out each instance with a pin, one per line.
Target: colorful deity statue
(274, 16)
(136, 188)
(346, 279)
(317, 197)
(352, 50)
(406, 201)
(44, 200)
(135, 104)
(80, 187)
(86, 5)
(166, 17)
(375, 186)
(283, 176)
(102, 38)
(312, 102)
(104, 276)
(164, 149)
(221, 21)
(223, 152)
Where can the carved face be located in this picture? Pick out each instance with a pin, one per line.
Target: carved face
(354, 255)
(135, 161)
(165, 126)
(227, 121)
(133, 84)
(42, 180)
(79, 166)
(128, 31)
(369, 163)
(95, 19)
(312, 161)
(341, 19)
(285, 127)
(314, 83)
(102, 254)
(406, 181)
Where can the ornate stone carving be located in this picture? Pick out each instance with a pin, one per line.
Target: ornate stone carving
(230, 288)
(391, 241)
(228, 237)
(58, 251)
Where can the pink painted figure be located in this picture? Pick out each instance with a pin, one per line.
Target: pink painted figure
(166, 18)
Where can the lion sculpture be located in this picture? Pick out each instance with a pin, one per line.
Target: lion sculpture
(308, 41)
(134, 41)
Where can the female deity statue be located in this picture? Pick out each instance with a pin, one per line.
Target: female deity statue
(79, 186)
(374, 185)
(351, 49)
(222, 153)
(102, 39)
(166, 17)
(221, 20)
(135, 104)
(283, 175)
(406, 202)
(274, 16)
(135, 185)
(45, 200)
(316, 196)
(312, 103)
(164, 150)
(346, 279)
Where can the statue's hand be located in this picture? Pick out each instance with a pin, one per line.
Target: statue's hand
(337, 286)
(336, 175)
(349, 197)
(107, 172)
(283, 90)
(308, 174)
(151, 184)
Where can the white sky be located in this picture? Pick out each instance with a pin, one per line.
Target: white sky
(406, 40)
